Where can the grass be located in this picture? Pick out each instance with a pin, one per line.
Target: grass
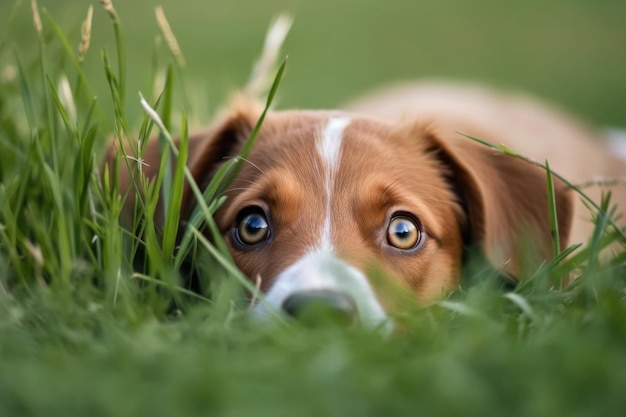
(82, 333)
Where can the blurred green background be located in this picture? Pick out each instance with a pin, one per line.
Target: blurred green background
(571, 52)
(75, 352)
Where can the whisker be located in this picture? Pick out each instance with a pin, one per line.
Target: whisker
(245, 160)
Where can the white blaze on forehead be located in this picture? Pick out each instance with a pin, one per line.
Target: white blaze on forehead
(329, 148)
(329, 145)
(322, 270)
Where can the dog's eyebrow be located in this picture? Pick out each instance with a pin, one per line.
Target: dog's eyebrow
(387, 197)
(274, 189)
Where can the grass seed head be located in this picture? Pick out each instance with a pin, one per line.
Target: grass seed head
(168, 34)
(85, 35)
(108, 7)
(36, 17)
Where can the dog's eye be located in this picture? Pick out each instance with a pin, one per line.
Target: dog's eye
(252, 229)
(403, 233)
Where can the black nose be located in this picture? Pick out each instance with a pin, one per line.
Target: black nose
(313, 307)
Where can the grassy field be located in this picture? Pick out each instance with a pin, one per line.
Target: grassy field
(80, 334)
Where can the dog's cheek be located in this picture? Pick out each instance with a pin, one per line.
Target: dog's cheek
(394, 290)
(249, 263)
(441, 277)
(427, 277)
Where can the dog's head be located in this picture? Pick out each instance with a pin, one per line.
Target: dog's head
(326, 201)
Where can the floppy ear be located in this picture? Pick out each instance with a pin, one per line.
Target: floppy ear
(505, 201)
(208, 149)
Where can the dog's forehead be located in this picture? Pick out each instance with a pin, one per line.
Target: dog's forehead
(333, 154)
(324, 135)
(317, 146)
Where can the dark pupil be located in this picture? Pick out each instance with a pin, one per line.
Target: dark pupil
(402, 230)
(255, 225)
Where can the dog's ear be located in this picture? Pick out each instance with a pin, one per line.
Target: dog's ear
(208, 149)
(505, 200)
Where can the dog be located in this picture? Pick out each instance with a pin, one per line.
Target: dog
(390, 187)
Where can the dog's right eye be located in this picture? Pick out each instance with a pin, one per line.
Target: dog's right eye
(252, 229)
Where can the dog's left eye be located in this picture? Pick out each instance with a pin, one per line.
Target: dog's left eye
(403, 233)
(252, 229)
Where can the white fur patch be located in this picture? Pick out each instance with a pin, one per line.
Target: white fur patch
(329, 148)
(321, 270)
(616, 139)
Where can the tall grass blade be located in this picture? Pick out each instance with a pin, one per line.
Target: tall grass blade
(586, 198)
(554, 223)
(175, 198)
(166, 167)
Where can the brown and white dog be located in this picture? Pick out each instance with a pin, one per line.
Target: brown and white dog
(388, 187)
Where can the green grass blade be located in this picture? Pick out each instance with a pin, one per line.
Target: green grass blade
(554, 223)
(121, 55)
(166, 168)
(175, 288)
(69, 51)
(27, 95)
(577, 190)
(175, 198)
(60, 108)
(8, 25)
(523, 305)
(197, 218)
(257, 127)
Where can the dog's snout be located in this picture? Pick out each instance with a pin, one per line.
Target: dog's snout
(316, 306)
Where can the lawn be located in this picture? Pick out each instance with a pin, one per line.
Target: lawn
(83, 331)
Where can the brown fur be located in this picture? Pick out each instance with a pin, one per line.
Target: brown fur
(463, 194)
(522, 123)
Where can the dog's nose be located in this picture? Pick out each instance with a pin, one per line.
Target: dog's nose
(313, 307)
